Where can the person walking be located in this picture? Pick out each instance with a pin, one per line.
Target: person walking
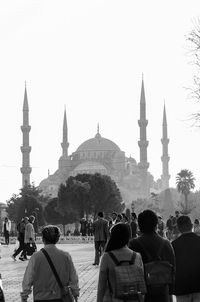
(6, 230)
(101, 234)
(20, 237)
(150, 243)
(187, 251)
(118, 245)
(29, 236)
(39, 275)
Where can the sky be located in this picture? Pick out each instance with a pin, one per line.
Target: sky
(90, 56)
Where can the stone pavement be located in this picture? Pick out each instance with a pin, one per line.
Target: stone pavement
(82, 255)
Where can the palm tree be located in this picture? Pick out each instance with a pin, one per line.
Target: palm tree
(185, 183)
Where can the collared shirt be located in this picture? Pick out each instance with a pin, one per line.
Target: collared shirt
(39, 275)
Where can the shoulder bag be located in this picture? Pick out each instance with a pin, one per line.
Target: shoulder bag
(66, 292)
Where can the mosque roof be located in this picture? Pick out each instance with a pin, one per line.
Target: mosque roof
(98, 143)
(89, 165)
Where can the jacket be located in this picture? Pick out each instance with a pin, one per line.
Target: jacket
(187, 253)
(100, 227)
(6, 226)
(29, 233)
(39, 275)
(152, 242)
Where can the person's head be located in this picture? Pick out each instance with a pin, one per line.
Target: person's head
(119, 237)
(114, 215)
(26, 219)
(50, 234)
(196, 221)
(100, 214)
(119, 217)
(133, 216)
(177, 214)
(31, 219)
(184, 224)
(147, 221)
(6, 219)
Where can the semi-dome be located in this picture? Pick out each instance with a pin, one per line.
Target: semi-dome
(98, 143)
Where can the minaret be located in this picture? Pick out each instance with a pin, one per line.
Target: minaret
(64, 161)
(165, 157)
(25, 148)
(143, 144)
(65, 144)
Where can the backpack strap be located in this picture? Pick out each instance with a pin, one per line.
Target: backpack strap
(114, 258)
(117, 262)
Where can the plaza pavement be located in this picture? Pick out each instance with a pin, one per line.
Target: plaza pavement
(82, 255)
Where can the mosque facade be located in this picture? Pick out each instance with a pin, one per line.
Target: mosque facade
(102, 155)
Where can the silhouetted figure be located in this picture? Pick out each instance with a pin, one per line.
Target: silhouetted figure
(6, 230)
(101, 235)
(187, 251)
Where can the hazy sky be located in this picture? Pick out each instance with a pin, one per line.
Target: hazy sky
(90, 55)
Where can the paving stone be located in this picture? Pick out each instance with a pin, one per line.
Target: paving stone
(82, 255)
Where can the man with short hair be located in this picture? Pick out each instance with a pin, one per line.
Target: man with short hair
(101, 234)
(152, 247)
(187, 253)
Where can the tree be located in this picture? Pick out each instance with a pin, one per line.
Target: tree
(53, 215)
(28, 202)
(194, 42)
(185, 183)
(87, 194)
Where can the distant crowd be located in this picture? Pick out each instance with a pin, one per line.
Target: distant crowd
(141, 259)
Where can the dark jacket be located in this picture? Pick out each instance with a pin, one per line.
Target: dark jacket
(100, 227)
(187, 253)
(152, 243)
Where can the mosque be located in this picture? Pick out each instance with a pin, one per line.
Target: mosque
(102, 155)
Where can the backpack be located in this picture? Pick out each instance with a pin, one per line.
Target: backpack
(159, 274)
(129, 283)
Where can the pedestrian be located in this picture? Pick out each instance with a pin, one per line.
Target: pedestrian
(83, 229)
(150, 243)
(161, 226)
(169, 231)
(118, 245)
(175, 231)
(29, 236)
(197, 227)
(20, 237)
(90, 227)
(6, 230)
(39, 275)
(101, 234)
(133, 225)
(187, 251)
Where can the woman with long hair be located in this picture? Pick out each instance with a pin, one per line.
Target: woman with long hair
(118, 245)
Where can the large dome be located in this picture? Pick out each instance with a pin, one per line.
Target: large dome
(98, 143)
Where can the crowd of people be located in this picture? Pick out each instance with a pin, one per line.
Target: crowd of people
(142, 241)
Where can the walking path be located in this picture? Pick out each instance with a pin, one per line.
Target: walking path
(82, 255)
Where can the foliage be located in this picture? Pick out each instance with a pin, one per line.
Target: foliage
(87, 194)
(27, 202)
(185, 183)
(53, 215)
(194, 42)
